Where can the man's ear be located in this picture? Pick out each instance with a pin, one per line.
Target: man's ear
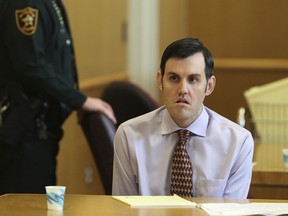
(210, 85)
(159, 80)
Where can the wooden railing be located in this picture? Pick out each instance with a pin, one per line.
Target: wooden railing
(244, 63)
(88, 84)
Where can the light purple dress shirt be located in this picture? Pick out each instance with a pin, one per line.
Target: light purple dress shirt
(220, 152)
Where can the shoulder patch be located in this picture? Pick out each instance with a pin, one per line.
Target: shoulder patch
(26, 20)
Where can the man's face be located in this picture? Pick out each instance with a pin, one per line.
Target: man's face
(184, 88)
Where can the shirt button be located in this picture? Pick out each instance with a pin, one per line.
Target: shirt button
(68, 42)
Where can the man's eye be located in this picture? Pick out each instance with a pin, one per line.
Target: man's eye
(173, 78)
(193, 79)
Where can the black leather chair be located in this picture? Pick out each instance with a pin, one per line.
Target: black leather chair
(128, 100)
(99, 131)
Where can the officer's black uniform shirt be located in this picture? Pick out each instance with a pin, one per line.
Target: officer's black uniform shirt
(36, 50)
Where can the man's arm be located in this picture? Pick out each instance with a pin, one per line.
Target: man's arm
(124, 181)
(239, 181)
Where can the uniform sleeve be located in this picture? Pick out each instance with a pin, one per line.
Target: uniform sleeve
(240, 178)
(124, 182)
(34, 49)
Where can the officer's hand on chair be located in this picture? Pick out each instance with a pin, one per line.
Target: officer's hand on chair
(96, 104)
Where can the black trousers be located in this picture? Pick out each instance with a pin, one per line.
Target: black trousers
(29, 166)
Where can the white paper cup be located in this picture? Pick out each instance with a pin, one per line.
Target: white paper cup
(55, 197)
(285, 157)
(55, 213)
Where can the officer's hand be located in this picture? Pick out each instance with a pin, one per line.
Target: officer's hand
(96, 104)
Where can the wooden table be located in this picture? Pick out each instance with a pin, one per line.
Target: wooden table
(94, 205)
(269, 184)
(270, 177)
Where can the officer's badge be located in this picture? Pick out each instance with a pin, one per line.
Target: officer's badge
(26, 20)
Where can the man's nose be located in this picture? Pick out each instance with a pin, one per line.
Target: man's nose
(183, 87)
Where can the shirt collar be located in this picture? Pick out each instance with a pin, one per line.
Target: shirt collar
(198, 127)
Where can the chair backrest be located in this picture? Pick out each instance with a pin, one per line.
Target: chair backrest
(99, 131)
(128, 100)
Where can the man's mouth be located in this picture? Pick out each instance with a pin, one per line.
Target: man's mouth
(182, 101)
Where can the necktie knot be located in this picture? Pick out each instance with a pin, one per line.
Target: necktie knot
(183, 135)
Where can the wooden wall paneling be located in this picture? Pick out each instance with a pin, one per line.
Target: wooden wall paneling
(76, 167)
(269, 185)
(241, 29)
(98, 28)
(174, 21)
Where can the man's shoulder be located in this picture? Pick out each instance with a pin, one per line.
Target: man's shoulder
(222, 121)
(148, 119)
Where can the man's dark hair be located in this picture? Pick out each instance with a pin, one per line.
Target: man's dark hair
(184, 48)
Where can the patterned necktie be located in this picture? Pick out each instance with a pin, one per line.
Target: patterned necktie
(181, 176)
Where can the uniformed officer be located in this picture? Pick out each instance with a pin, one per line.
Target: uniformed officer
(38, 89)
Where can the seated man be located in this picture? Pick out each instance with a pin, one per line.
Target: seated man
(217, 153)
